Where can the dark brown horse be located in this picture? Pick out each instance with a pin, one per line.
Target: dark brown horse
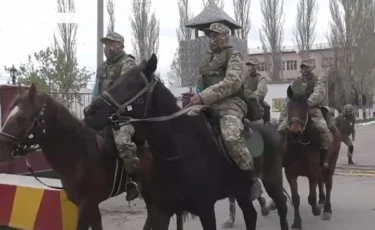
(301, 158)
(88, 166)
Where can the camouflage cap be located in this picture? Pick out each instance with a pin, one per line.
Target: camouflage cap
(348, 108)
(113, 36)
(251, 62)
(298, 86)
(218, 28)
(307, 63)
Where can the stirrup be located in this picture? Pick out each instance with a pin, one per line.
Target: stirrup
(129, 183)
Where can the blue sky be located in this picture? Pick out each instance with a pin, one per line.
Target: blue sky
(26, 26)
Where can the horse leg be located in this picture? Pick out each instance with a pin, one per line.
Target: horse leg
(263, 204)
(159, 218)
(292, 179)
(248, 211)
(313, 183)
(207, 217)
(147, 225)
(229, 220)
(327, 211)
(279, 201)
(180, 222)
(89, 215)
(322, 195)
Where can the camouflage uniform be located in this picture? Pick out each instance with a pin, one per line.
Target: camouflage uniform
(345, 122)
(220, 85)
(316, 88)
(115, 66)
(255, 85)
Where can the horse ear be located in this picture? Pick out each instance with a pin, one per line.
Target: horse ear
(21, 90)
(151, 65)
(32, 91)
(289, 92)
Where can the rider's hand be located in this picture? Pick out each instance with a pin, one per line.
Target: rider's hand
(196, 100)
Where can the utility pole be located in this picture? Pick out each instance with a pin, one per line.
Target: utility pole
(100, 29)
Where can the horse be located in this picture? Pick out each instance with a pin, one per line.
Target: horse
(192, 171)
(88, 166)
(301, 157)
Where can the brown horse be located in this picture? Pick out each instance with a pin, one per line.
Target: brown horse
(301, 158)
(88, 166)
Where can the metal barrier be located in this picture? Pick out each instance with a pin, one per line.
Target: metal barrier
(75, 102)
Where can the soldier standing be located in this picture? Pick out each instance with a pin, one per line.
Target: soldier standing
(345, 122)
(118, 63)
(256, 85)
(315, 87)
(220, 87)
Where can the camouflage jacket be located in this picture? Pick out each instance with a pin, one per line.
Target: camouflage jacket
(110, 70)
(221, 80)
(255, 84)
(345, 125)
(316, 88)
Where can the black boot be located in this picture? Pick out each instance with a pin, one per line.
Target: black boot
(350, 157)
(323, 158)
(350, 161)
(256, 187)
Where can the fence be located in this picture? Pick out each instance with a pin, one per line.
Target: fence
(75, 102)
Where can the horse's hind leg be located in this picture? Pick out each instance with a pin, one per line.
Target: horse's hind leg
(292, 179)
(229, 220)
(327, 210)
(179, 221)
(248, 211)
(322, 194)
(313, 182)
(89, 216)
(279, 201)
(263, 204)
(207, 216)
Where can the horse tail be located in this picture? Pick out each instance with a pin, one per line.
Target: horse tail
(182, 217)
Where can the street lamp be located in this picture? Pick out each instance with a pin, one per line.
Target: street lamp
(13, 74)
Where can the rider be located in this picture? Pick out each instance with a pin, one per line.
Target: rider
(118, 63)
(315, 87)
(256, 85)
(345, 122)
(220, 87)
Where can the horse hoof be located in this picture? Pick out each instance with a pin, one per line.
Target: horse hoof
(228, 223)
(296, 226)
(265, 211)
(272, 206)
(326, 216)
(317, 211)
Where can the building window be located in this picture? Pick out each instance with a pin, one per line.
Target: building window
(291, 65)
(327, 62)
(262, 66)
(283, 65)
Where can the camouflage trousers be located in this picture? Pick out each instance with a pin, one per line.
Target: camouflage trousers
(231, 129)
(319, 122)
(345, 138)
(127, 149)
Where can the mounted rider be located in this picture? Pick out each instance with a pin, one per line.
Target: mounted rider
(345, 122)
(315, 87)
(118, 63)
(255, 86)
(220, 87)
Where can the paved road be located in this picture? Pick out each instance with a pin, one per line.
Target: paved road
(353, 198)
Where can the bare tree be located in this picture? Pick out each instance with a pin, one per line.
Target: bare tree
(145, 28)
(305, 28)
(175, 75)
(242, 15)
(351, 37)
(219, 3)
(111, 13)
(271, 35)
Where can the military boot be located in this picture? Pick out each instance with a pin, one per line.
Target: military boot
(256, 187)
(350, 161)
(324, 158)
(350, 155)
(131, 187)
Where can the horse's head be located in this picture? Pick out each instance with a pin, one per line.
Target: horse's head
(298, 109)
(23, 124)
(130, 95)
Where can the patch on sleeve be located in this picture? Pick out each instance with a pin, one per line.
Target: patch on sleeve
(236, 61)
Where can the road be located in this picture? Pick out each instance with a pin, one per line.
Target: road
(353, 199)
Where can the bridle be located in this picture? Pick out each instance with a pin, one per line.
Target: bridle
(25, 143)
(119, 109)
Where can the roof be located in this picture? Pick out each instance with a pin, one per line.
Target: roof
(211, 14)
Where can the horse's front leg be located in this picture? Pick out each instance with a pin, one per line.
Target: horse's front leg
(327, 211)
(159, 218)
(89, 216)
(231, 218)
(313, 183)
(248, 211)
(322, 194)
(292, 179)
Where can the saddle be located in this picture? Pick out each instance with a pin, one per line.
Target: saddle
(253, 137)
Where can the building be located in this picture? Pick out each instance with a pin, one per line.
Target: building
(291, 60)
